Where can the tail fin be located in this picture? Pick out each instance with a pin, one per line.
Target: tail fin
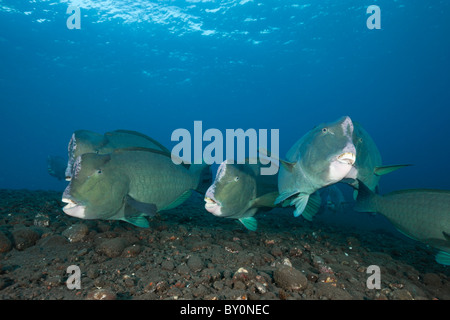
(365, 202)
(204, 175)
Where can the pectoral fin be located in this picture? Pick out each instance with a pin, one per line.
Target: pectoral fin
(138, 221)
(300, 203)
(267, 200)
(443, 257)
(312, 207)
(284, 195)
(148, 209)
(382, 170)
(250, 223)
(179, 200)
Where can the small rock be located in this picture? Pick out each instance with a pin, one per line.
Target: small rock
(289, 278)
(132, 251)
(331, 291)
(76, 232)
(287, 262)
(183, 269)
(54, 240)
(239, 285)
(167, 265)
(260, 287)
(402, 294)
(432, 279)
(112, 247)
(41, 220)
(24, 238)
(5, 243)
(101, 294)
(195, 263)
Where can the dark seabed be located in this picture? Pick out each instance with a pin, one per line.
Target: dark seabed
(187, 254)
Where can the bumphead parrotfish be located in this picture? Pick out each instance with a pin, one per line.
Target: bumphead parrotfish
(129, 184)
(323, 156)
(56, 167)
(239, 191)
(85, 141)
(368, 166)
(421, 214)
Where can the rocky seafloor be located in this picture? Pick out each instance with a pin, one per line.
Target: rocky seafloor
(188, 253)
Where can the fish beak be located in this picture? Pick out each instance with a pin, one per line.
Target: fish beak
(74, 209)
(347, 158)
(213, 206)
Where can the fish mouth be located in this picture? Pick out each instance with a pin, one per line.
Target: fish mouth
(213, 206)
(347, 158)
(73, 208)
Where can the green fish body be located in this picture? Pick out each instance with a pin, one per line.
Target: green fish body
(421, 214)
(128, 184)
(85, 141)
(368, 166)
(323, 156)
(239, 191)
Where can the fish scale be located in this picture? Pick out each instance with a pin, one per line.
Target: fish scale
(421, 214)
(156, 183)
(419, 224)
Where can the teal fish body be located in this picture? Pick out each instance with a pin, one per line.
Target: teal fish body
(368, 157)
(56, 167)
(368, 166)
(323, 156)
(85, 141)
(128, 184)
(239, 191)
(421, 214)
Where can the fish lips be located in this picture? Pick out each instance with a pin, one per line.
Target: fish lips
(74, 209)
(212, 205)
(347, 158)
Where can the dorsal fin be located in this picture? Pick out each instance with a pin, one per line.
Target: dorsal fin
(164, 153)
(163, 148)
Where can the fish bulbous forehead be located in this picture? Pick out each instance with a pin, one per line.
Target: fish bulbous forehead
(344, 125)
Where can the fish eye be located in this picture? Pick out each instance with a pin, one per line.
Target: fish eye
(236, 179)
(361, 140)
(99, 171)
(324, 130)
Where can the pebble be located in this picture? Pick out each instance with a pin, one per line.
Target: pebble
(5, 243)
(76, 232)
(41, 220)
(132, 251)
(24, 238)
(112, 247)
(167, 265)
(53, 241)
(101, 294)
(195, 263)
(289, 278)
(432, 279)
(402, 294)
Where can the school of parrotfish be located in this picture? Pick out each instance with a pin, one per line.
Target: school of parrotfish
(126, 175)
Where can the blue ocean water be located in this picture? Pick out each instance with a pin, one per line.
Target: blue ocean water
(156, 66)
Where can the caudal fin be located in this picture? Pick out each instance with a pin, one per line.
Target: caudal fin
(365, 201)
(204, 176)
